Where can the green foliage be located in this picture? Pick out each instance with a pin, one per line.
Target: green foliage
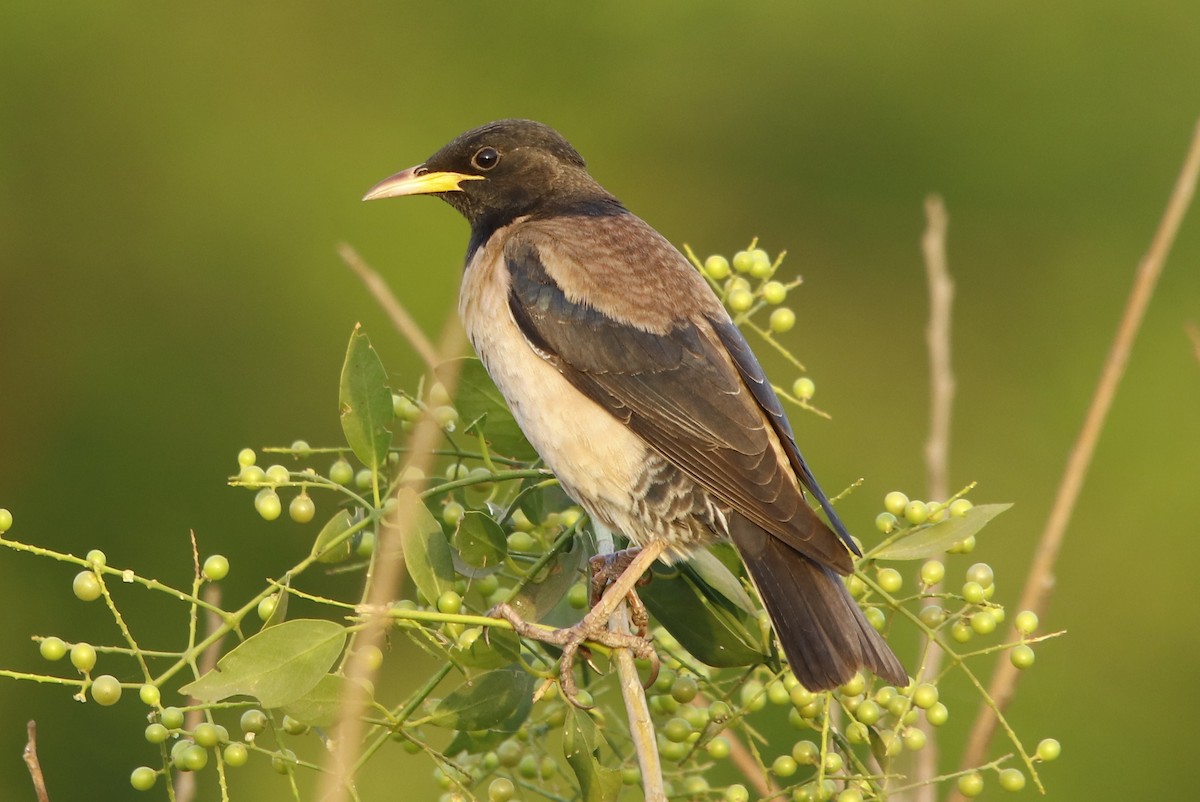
(478, 523)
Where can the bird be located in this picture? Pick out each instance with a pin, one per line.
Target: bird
(632, 382)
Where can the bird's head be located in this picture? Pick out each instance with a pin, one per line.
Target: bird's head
(498, 172)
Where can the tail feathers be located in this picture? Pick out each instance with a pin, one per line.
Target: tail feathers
(824, 634)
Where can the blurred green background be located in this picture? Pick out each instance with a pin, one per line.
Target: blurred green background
(174, 179)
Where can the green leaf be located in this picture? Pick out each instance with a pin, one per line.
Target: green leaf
(480, 540)
(487, 701)
(336, 527)
(276, 666)
(426, 552)
(930, 541)
(596, 782)
(478, 400)
(703, 605)
(319, 707)
(365, 401)
(501, 647)
(542, 594)
(282, 598)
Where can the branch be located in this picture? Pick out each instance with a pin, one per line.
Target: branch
(1040, 583)
(29, 755)
(384, 296)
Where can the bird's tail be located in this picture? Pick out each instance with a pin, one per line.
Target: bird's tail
(824, 634)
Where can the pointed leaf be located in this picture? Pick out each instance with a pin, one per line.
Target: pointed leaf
(541, 595)
(365, 401)
(336, 527)
(479, 400)
(276, 666)
(486, 701)
(282, 597)
(930, 541)
(426, 552)
(480, 540)
(319, 707)
(596, 782)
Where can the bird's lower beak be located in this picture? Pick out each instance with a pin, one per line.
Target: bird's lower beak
(418, 181)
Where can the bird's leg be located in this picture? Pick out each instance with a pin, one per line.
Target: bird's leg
(594, 626)
(606, 568)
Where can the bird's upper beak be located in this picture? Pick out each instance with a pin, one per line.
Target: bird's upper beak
(418, 181)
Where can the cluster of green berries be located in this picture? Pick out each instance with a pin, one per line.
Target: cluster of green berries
(971, 784)
(900, 512)
(437, 404)
(267, 502)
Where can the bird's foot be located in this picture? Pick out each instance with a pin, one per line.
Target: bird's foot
(592, 628)
(607, 569)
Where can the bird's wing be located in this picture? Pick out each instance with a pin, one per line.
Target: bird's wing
(669, 364)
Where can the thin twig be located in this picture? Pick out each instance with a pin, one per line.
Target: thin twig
(185, 781)
(1041, 576)
(937, 447)
(384, 296)
(386, 576)
(29, 754)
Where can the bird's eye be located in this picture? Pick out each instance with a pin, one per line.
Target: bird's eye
(485, 158)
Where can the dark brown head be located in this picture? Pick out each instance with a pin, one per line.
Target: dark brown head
(501, 171)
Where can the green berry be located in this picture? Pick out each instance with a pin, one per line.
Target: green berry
(106, 690)
(718, 748)
(252, 476)
(925, 695)
(278, 474)
(774, 292)
(916, 512)
(372, 657)
(868, 712)
(743, 261)
(834, 763)
(784, 766)
(266, 607)
(143, 778)
(156, 733)
(753, 695)
(981, 573)
(782, 320)
(501, 789)
(521, 541)
(965, 546)
(778, 694)
(761, 266)
(216, 567)
(268, 504)
(736, 793)
(283, 761)
(1027, 622)
(206, 735)
(452, 513)
(885, 522)
(895, 502)
(509, 753)
(6, 520)
(438, 395)
(739, 300)
(914, 739)
(961, 631)
(889, 580)
(449, 603)
(970, 785)
(854, 686)
(96, 558)
(983, 622)
(717, 267)
(932, 616)
(804, 388)
(875, 618)
(972, 593)
(341, 472)
(1012, 780)
(150, 695)
(246, 457)
(53, 648)
(86, 586)
(294, 727)
(193, 758)
(171, 718)
(937, 715)
(719, 712)
(858, 733)
(83, 657)
(1022, 656)
(365, 545)
(959, 507)
(1048, 749)
(684, 689)
(677, 730)
(302, 509)
(850, 795)
(236, 754)
(578, 596)
(932, 572)
(446, 417)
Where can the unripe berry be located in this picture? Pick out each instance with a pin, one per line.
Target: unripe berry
(86, 586)
(961, 631)
(156, 733)
(959, 507)
(983, 622)
(854, 686)
(885, 522)
(106, 690)
(6, 520)
(253, 721)
(718, 748)
(277, 474)
(1027, 622)
(743, 261)
(216, 568)
(932, 616)
(252, 476)
(804, 388)
(341, 472)
(965, 546)
(1048, 749)
(1012, 780)
(868, 712)
(875, 617)
(916, 512)
(246, 457)
(236, 754)
(83, 657)
(784, 766)
(895, 502)
(206, 735)
(717, 267)
(266, 607)
(171, 718)
(914, 739)
(774, 292)
(782, 320)
(981, 573)
(446, 417)
(302, 509)
(937, 715)
(737, 793)
(1022, 656)
(449, 602)
(970, 785)
(143, 778)
(972, 593)
(684, 689)
(150, 695)
(268, 504)
(283, 761)
(761, 266)
(932, 572)
(739, 300)
(501, 789)
(889, 580)
(850, 795)
(294, 727)
(52, 648)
